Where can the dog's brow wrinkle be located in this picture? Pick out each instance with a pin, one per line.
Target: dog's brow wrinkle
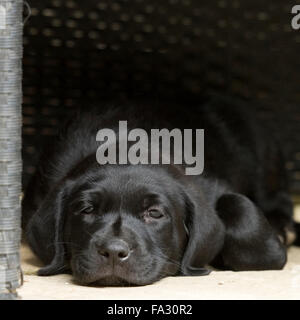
(122, 194)
(117, 225)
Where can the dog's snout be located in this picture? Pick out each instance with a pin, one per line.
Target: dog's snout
(116, 250)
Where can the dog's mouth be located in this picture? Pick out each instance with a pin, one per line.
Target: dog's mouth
(112, 281)
(88, 273)
(112, 278)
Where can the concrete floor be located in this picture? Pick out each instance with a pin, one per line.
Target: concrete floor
(284, 284)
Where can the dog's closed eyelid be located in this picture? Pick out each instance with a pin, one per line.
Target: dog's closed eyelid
(153, 213)
(88, 210)
(82, 207)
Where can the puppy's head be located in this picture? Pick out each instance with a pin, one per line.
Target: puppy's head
(126, 225)
(129, 225)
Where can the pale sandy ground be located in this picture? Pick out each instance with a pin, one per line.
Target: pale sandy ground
(283, 284)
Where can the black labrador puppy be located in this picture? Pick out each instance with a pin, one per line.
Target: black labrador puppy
(116, 224)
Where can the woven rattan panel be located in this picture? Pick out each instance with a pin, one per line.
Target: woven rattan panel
(78, 52)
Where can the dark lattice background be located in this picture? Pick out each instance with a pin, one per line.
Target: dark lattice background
(79, 51)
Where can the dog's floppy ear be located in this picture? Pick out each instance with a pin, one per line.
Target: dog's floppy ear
(250, 241)
(44, 231)
(206, 235)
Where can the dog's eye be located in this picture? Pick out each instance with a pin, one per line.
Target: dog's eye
(155, 213)
(88, 210)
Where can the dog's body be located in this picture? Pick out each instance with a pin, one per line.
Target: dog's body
(135, 224)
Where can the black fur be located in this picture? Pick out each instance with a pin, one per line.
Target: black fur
(230, 217)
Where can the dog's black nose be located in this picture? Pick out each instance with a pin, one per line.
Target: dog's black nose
(116, 250)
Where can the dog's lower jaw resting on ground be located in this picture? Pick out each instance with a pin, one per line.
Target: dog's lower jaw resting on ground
(135, 224)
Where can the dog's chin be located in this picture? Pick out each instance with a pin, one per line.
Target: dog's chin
(112, 281)
(109, 281)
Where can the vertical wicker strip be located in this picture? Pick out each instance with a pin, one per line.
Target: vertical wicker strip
(11, 28)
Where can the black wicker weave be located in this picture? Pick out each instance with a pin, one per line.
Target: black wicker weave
(77, 52)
